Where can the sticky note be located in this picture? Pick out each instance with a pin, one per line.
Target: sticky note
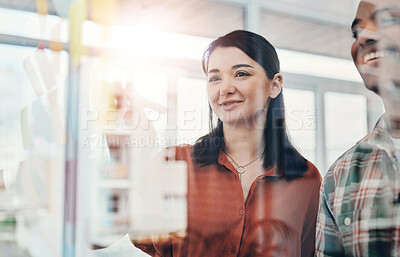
(33, 75)
(45, 70)
(41, 7)
(103, 11)
(27, 141)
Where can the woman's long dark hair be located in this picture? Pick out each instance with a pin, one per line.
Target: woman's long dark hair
(278, 150)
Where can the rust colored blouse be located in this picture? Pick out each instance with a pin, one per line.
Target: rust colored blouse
(277, 219)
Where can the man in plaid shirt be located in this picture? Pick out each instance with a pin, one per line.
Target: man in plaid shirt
(359, 212)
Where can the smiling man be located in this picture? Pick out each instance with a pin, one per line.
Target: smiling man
(359, 212)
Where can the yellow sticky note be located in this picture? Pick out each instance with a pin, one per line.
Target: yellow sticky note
(41, 7)
(56, 46)
(55, 43)
(77, 15)
(103, 11)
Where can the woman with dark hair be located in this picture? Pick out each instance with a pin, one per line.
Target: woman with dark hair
(250, 192)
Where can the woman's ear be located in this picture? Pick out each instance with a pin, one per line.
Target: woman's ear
(276, 85)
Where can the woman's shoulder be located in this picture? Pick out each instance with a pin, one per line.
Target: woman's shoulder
(312, 172)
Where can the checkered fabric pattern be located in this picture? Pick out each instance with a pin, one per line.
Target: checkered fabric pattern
(359, 212)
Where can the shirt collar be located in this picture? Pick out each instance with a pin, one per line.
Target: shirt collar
(223, 160)
(380, 137)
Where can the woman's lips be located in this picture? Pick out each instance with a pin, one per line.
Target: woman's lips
(230, 105)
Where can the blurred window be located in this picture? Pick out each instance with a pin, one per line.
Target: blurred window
(301, 121)
(32, 25)
(345, 122)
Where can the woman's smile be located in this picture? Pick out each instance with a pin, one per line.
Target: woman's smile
(228, 105)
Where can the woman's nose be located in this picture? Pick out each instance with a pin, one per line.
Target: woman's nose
(227, 88)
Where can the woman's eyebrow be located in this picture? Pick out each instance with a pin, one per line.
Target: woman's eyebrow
(241, 65)
(236, 66)
(213, 71)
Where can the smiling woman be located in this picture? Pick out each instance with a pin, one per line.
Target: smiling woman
(243, 68)
(250, 192)
(237, 89)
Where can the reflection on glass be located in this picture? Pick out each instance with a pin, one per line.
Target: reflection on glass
(158, 201)
(124, 127)
(32, 138)
(192, 109)
(125, 184)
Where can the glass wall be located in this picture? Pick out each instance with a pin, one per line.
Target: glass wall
(119, 84)
(32, 129)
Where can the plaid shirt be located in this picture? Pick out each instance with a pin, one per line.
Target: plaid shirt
(359, 213)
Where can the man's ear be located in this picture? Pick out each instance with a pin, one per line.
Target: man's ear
(276, 85)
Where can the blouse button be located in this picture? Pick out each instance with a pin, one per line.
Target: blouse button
(233, 250)
(347, 221)
(241, 212)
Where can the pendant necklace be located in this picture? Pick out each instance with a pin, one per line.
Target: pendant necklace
(241, 168)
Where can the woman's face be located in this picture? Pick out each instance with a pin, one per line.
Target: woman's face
(238, 88)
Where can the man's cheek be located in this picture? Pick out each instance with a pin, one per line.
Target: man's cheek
(354, 49)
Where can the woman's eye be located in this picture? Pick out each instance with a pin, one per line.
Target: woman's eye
(242, 74)
(213, 79)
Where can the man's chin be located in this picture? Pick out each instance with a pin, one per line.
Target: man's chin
(371, 82)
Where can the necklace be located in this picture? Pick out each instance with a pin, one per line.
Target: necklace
(241, 168)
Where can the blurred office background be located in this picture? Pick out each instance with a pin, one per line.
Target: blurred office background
(65, 177)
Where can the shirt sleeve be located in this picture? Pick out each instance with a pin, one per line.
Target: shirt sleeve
(328, 240)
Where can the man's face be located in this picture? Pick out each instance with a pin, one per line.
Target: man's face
(375, 52)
